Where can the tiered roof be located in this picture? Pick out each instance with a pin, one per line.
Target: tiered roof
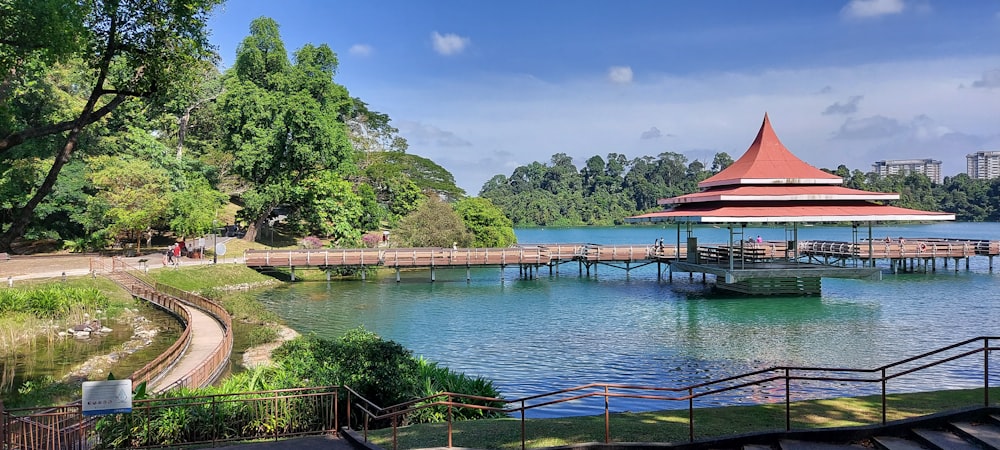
(770, 184)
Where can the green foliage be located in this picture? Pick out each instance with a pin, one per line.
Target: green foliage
(434, 380)
(605, 192)
(486, 222)
(281, 121)
(382, 371)
(193, 210)
(50, 301)
(329, 208)
(132, 195)
(126, 51)
(433, 224)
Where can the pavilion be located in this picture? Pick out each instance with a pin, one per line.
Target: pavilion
(770, 185)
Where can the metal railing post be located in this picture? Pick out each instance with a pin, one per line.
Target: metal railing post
(691, 414)
(884, 407)
(788, 402)
(607, 417)
(986, 371)
(523, 438)
(395, 434)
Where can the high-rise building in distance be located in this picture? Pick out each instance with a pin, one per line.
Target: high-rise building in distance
(983, 165)
(929, 167)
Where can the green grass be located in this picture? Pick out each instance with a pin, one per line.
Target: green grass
(672, 426)
(205, 277)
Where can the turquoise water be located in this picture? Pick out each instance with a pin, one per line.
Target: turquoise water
(559, 331)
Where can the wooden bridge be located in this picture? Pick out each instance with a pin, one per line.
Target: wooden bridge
(750, 257)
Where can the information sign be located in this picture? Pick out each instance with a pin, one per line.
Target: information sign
(107, 397)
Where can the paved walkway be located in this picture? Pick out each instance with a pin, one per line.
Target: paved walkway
(206, 335)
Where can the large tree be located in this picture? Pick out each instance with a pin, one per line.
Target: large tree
(142, 49)
(282, 121)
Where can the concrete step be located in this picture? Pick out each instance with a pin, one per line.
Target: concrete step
(944, 440)
(896, 443)
(790, 444)
(987, 434)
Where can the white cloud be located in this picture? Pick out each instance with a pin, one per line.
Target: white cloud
(875, 127)
(360, 50)
(651, 133)
(990, 80)
(848, 107)
(620, 74)
(420, 133)
(449, 44)
(864, 9)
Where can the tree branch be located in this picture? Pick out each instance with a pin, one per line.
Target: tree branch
(14, 139)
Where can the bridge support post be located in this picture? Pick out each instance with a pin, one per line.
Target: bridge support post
(933, 265)
(433, 277)
(502, 272)
(956, 264)
(991, 263)
(362, 273)
(468, 274)
(293, 272)
(327, 274)
(397, 274)
(967, 262)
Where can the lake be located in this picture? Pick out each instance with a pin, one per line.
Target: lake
(559, 331)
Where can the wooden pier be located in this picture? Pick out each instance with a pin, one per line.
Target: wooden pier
(734, 266)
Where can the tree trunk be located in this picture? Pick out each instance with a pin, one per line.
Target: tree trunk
(23, 217)
(182, 125)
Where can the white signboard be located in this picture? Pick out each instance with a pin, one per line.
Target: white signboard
(107, 397)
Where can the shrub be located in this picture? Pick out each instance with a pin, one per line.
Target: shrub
(311, 242)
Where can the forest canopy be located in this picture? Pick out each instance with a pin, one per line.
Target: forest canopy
(604, 191)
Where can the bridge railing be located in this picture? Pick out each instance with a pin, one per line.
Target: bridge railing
(217, 363)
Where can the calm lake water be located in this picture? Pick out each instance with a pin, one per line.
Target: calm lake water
(555, 332)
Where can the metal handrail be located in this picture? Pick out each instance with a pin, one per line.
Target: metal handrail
(786, 374)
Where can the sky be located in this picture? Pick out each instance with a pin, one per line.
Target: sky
(482, 87)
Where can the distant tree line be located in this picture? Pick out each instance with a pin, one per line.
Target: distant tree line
(605, 191)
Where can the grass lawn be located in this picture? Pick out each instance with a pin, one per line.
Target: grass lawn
(672, 426)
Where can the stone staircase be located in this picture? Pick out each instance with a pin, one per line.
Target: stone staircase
(963, 433)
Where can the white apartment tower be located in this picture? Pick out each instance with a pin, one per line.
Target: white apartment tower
(929, 167)
(983, 165)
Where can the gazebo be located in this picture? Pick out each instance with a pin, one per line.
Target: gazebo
(770, 185)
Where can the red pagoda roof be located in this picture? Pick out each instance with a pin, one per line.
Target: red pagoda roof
(784, 192)
(770, 184)
(767, 161)
(769, 212)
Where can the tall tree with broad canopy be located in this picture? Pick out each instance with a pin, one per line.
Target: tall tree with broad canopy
(133, 49)
(281, 120)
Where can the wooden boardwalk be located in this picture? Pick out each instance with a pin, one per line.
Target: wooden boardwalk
(533, 255)
(627, 256)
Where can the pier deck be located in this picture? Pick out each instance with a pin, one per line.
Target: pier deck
(737, 263)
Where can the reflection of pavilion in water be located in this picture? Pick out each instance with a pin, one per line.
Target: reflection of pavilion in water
(768, 184)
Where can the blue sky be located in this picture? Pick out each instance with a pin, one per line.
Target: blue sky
(482, 87)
